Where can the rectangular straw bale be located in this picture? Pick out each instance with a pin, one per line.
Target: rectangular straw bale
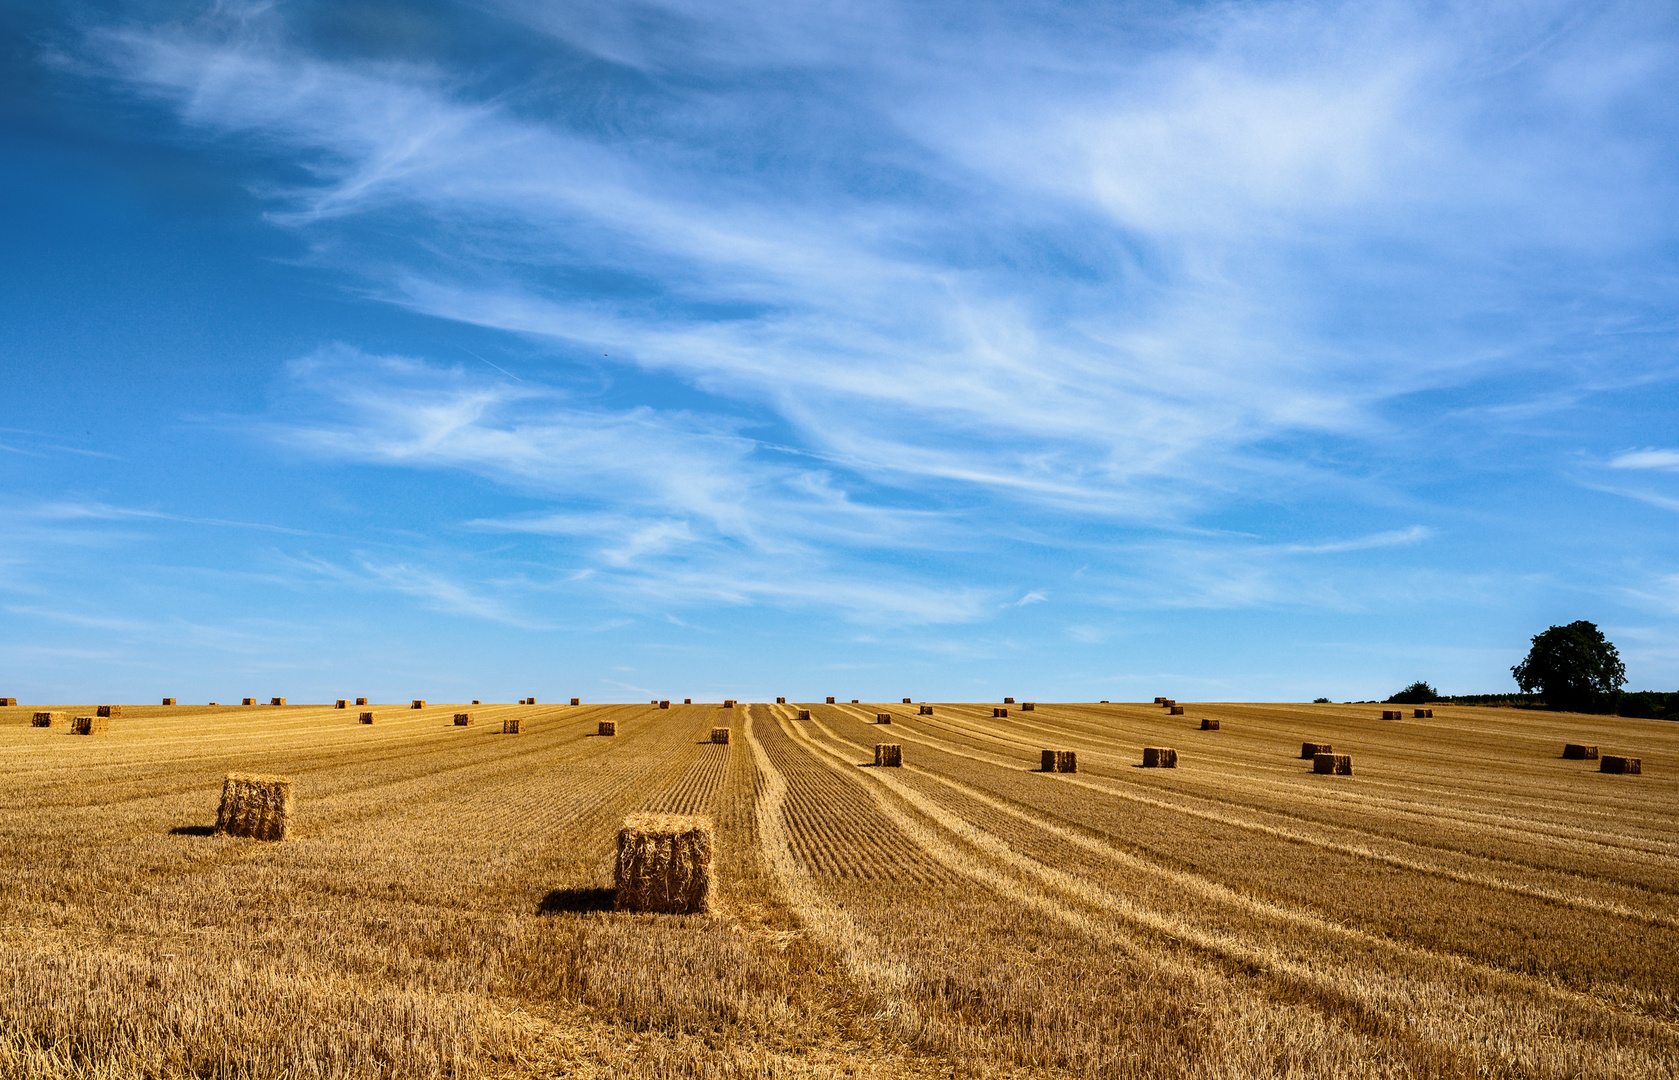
(248, 701)
(1160, 701)
(1309, 750)
(883, 718)
(925, 710)
(1066, 761)
(781, 701)
(47, 719)
(361, 701)
(1615, 763)
(720, 736)
(1046, 761)
(108, 710)
(511, 725)
(341, 703)
(830, 699)
(607, 727)
(1393, 714)
(1579, 752)
(1333, 764)
(367, 718)
(804, 714)
(728, 703)
(664, 704)
(419, 703)
(1028, 706)
(13, 701)
(277, 701)
(1421, 714)
(577, 701)
(1008, 701)
(1160, 757)
(664, 864)
(169, 701)
(1209, 725)
(462, 719)
(90, 725)
(259, 807)
(906, 701)
(687, 701)
(888, 755)
(1177, 710)
(999, 711)
(1165, 702)
(475, 701)
(530, 701)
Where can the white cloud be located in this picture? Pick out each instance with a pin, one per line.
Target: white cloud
(1667, 460)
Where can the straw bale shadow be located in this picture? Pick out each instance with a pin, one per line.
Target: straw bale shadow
(577, 899)
(193, 830)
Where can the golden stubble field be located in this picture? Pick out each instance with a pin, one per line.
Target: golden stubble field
(1467, 903)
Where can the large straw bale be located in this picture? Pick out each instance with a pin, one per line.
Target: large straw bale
(90, 725)
(1579, 752)
(248, 701)
(1008, 701)
(607, 727)
(1159, 700)
(664, 704)
(1059, 761)
(1422, 714)
(511, 725)
(419, 703)
(367, 718)
(277, 701)
(108, 711)
(997, 711)
(1209, 725)
(341, 703)
(361, 701)
(883, 718)
(720, 736)
(830, 699)
(925, 710)
(48, 719)
(530, 701)
(888, 755)
(1160, 757)
(1393, 714)
(1333, 764)
(475, 701)
(166, 701)
(1309, 750)
(906, 701)
(8, 701)
(728, 703)
(1046, 761)
(462, 719)
(259, 807)
(685, 701)
(1028, 706)
(781, 701)
(577, 701)
(804, 714)
(1177, 710)
(1165, 702)
(664, 864)
(1615, 763)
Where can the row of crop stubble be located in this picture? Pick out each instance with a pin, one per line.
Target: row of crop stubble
(1437, 914)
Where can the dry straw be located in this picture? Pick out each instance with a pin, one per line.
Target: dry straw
(1028, 706)
(341, 703)
(804, 714)
(277, 701)
(664, 704)
(166, 701)
(1393, 714)
(998, 711)
(1209, 725)
(1177, 710)
(906, 701)
(249, 701)
(510, 725)
(925, 710)
(90, 725)
(108, 711)
(685, 701)
(883, 718)
(462, 719)
(1614, 763)
(419, 703)
(1165, 702)
(528, 701)
(13, 701)
(1160, 757)
(830, 699)
(1160, 701)
(888, 755)
(728, 703)
(47, 719)
(664, 864)
(607, 727)
(361, 701)
(577, 701)
(1579, 752)
(367, 718)
(475, 701)
(1333, 764)
(1422, 714)
(781, 701)
(720, 736)
(1059, 761)
(1310, 750)
(259, 807)
(1008, 701)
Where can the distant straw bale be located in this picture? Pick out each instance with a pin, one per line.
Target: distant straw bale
(1615, 763)
(259, 807)
(367, 718)
(720, 736)
(108, 711)
(998, 711)
(925, 710)
(475, 701)
(883, 718)
(830, 699)
(888, 755)
(166, 701)
(47, 719)
(1046, 761)
(1333, 764)
(8, 701)
(1008, 701)
(577, 701)
(1028, 706)
(1160, 701)
(419, 703)
(277, 701)
(530, 701)
(1309, 750)
(906, 701)
(664, 864)
(607, 727)
(462, 719)
(1165, 702)
(341, 703)
(1160, 757)
(853, 701)
(664, 704)
(781, 701)
(1209, 725)
(511, 725)
(249, 701)
(90, 725)
(728, 703)
(1177, 710)
(685, 701)
(361, 701)
(1579, 752)
(804, 714)
(1393, 714)
(1422, 714)
(1059, 761)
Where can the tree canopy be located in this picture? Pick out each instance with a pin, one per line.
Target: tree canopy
(1574, 667)
(1417, 693)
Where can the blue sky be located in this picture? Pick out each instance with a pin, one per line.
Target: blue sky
(952, 350)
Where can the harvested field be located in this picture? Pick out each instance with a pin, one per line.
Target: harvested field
(1469, 904)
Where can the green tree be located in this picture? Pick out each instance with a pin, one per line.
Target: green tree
(1574, 667)
(1418, 693)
